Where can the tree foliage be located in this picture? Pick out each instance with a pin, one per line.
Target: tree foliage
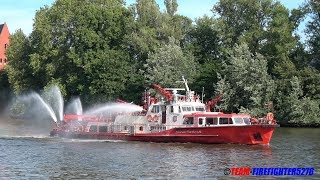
(20, 74)
(205, 40)
(78, 44)
(101, 50)
(264, 25)
(313, 32)
(168, 64)
(297, 108)
(246, 85)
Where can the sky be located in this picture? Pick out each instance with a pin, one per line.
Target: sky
(19, 14)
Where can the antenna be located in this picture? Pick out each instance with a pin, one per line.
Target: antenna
(202, 95)
(185, 83)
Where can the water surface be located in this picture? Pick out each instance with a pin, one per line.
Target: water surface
(46, 158)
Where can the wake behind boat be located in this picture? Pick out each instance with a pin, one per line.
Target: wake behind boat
(171, 118)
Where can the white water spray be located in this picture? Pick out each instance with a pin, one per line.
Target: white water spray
(114, 108)
(48, 108)
(74, 107)
(54, 98)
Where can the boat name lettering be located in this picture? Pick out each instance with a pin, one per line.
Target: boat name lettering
(189, 131)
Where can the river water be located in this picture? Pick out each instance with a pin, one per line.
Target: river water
(55, 158)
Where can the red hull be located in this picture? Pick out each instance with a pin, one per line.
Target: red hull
(252, 134)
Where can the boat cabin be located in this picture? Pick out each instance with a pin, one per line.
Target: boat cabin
(216, 119)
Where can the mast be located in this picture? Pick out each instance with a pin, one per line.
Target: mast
(185, 83)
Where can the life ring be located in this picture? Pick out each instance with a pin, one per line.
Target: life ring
(149, 118)
(270, 117)
(156, 118)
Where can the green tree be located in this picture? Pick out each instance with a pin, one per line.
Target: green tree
(79, 44)
(313, 32)
(168, 64)
(206, 78)
(205, 40)
(310, 82)
(143, 38)
(171, 6)
(19, 72)
(264, 25)
(296, 108)
(246, 85)
(153, 28)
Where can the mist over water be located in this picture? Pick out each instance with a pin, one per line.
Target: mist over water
(27, 115)
(33, 114)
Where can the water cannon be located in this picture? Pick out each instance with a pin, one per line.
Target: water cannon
(213, 102)
(168, 96)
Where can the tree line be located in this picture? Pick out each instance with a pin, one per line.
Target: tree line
(249, 51)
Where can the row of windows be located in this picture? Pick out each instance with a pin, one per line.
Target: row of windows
(176, 109)
(215, 120)
(94, 128)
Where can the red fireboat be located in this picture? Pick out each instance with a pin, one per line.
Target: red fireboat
(171, 118)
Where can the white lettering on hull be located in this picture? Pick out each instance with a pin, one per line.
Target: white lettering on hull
(189, 132)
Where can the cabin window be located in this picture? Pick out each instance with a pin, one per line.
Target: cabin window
(212, 121)
(223, 121)
(103, 129)
(200, 108)
(175, 109)
(200, 121)
(246, 120)
(93, 128)
(187, 108)
(188, 120)
(155, 109)
(140, 128)
(125, 128)
(238, 120)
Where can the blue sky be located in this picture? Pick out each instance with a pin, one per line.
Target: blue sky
(20, 13)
